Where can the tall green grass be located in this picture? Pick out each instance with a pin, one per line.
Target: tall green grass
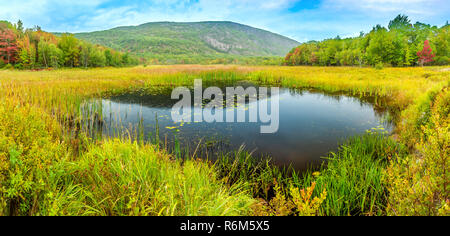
(353, 177)
(121, 177)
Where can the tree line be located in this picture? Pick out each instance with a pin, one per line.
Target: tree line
(401, 44)
(36, 49)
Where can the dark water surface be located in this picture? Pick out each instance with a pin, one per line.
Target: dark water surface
(311, 125)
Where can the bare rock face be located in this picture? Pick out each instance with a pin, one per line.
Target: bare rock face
(214, 43)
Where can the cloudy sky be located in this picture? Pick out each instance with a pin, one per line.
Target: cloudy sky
(302, 20)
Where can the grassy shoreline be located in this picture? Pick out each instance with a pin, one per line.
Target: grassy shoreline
(47, 167)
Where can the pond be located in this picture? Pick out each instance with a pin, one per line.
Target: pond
(311, 124)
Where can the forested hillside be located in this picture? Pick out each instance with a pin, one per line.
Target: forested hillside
(170, 42)
(401, 44)
(35, 49)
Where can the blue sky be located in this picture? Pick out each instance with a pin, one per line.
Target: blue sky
(302, 20)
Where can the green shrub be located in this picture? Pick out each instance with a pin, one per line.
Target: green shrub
(8, 67)
(418, 183)
(379, 66)
(442, 60)
(29, 155)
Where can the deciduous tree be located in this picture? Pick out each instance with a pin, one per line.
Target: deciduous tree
(8, 46)
(69, 45)
(426, 54)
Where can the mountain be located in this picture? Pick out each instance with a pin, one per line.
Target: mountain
(166, 40)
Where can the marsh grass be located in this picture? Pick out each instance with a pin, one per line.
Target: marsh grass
(51, 165)
(125, 178)
(354, 176)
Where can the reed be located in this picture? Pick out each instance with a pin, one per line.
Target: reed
(50, 163)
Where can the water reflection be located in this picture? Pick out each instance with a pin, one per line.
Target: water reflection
(311, 124)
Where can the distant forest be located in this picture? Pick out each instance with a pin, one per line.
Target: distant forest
(35, 49)
(401, 44)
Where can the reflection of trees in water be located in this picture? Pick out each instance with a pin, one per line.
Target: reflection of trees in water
(378, 103)
(160, 97)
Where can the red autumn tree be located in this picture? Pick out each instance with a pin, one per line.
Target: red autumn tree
(8, 46)
(426, 55)
(287, 60)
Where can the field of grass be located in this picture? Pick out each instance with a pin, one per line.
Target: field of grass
(49, 166)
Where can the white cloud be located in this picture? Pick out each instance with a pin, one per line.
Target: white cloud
(417, 8)
(43, 12)
(281, 4)
(328, 19)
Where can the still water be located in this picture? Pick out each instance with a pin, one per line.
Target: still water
(311, 125)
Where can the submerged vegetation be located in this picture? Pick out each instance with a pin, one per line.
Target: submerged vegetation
(49, 165)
